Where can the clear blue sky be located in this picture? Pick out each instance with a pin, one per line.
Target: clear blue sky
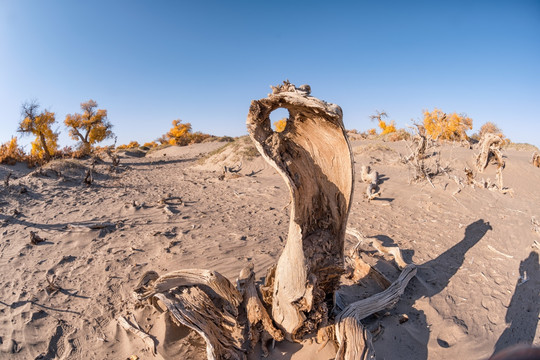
(150, 62)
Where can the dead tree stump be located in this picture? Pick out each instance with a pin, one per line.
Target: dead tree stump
(314, 158)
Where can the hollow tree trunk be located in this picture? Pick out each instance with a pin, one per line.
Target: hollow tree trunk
(313, 156)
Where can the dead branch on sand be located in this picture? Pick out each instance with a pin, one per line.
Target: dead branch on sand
(6, 180)
(89, 177)
(52, 287)
(35, 239)
(314, 158)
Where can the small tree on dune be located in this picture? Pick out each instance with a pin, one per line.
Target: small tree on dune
(385, 128)
(90, 127)
(490, 128)
(39, 124)
(442, 126)
(179, 133)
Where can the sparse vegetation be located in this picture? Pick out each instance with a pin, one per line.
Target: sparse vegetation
(131, 145)
(181, 135)
(40, 125)
(90, 127)
(385, 128)
(11, 152)
(442, 126)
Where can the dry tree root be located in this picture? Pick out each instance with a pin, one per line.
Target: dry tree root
(204, 301)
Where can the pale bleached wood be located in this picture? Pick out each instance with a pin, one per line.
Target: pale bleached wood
(314, 158)
(152, 284)
(193, 308)
(490, 147)
(352, 338)
(259, 322)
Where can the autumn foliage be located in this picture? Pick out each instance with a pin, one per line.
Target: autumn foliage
(181, 135)
(442, 126)
(385, 128)
(280, 125)
(40, 125)
(131, 145)
(11, 152)
(90, 127)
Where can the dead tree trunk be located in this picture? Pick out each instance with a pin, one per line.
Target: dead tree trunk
(490, 147)
(314, 158)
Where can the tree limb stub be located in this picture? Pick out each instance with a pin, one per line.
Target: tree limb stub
(314, 158)
(258, 319)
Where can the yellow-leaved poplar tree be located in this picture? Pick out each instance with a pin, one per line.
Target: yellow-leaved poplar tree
(40, 125)
(385, 128)
(179, 133)
(90, 127)
(442, 126)
(280, 125)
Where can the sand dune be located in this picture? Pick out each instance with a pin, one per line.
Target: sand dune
(477, 287)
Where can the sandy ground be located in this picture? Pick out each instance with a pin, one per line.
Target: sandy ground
(476, 291)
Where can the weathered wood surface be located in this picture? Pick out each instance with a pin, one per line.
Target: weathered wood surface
(314, 157)
(353, 339)
(260, 325)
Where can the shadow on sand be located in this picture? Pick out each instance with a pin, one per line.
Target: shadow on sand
(522, 314)
(411, 339)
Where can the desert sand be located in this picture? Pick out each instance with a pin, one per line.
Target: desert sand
(476, 290)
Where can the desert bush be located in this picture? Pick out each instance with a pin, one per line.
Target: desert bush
(11, 153)
(90, 127)
(385, 128)
(151, 144)
(131, 145)
(490, 128)
(398, 135)
(372, 132)
(442, 126)
(182, 135)
(39, 124)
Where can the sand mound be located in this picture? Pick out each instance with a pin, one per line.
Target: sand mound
(239, 155)
(190, 151)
